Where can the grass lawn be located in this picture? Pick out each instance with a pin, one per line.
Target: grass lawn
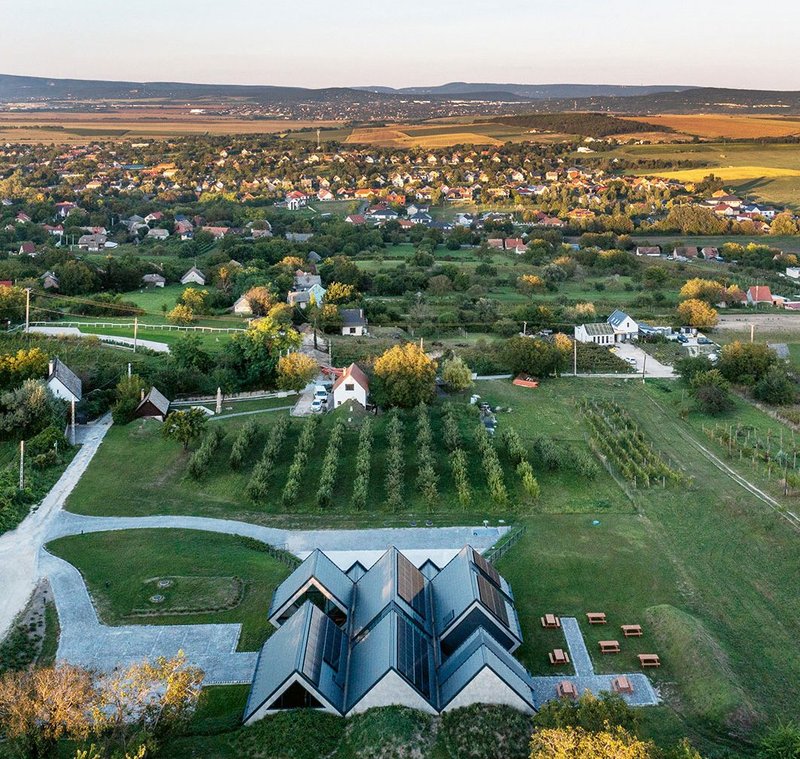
(120, 567)
(707, 570)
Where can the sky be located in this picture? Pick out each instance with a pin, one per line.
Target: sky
(322, 43)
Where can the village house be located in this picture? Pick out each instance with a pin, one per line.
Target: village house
(242, 307)
(649, 250)
(352, 385)
(63, 382)
(49, 280)
(193, 277)
(295, 200)
(758, 295)
(158, 234)
(353, 321)
(92, 243)
(27, 249)
(625, 328)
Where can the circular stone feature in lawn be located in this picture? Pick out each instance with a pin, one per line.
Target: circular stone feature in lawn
(165, 583)
(156, 599)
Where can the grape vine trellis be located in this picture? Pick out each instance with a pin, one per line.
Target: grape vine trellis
(617, 437)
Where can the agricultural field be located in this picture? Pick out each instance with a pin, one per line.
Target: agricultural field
(279, 480)
(770, 173)
(713, 125)
(134, 123)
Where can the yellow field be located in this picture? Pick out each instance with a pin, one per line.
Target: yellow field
(719, 125)
(143, 123)
(406, 137)
(730, 173)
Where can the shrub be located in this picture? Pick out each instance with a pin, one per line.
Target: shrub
(363, 462)
(304, 445)
(775, 387)
(263, 470)
(491, 466)
(330, 464)
(201, 458)
(242, 443)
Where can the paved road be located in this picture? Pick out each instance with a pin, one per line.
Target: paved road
(153, 345)
(19, 549)
(652, 367)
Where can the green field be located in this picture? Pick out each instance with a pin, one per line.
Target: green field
(119, 569)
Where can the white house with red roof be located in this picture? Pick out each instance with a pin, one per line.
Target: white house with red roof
(758, 294)
(352, 385)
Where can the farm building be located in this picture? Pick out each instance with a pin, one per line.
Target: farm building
(242, 306)
(154, 280)
(353, 321)
(352, 385)
(49, 280)
(599, 334)
(63, 382)
(154, 405)
(193, 277)
(391, 635)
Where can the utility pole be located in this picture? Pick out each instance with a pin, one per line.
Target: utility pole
(72, 425)
(21, 464)
(27, 308)
(524, 329)
(129, 369)
(752, 332)
(575, 357)
(135, 331)
(644, 367)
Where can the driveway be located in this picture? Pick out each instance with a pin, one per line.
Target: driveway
(652, 367)
(19, 548)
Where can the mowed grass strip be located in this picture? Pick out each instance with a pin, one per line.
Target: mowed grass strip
(119, 568)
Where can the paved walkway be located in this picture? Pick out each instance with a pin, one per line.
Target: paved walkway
(19, 548)
(87, 643)
(299, 542)
(153, 345)
(544, 688)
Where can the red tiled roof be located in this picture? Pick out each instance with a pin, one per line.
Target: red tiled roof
(354, 371)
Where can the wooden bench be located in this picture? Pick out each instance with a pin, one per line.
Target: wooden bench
(567, 689)
(622, 684)
(609, 646)
(596, 617)
(649, 660)
(558, 656)
(550, 621)
(632, 631)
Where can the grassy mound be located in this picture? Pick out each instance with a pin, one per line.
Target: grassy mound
(486, 732)
(391, 732)
(708, 684)
(301, 734)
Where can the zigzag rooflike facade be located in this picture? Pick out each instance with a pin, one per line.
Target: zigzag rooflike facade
(391, 635)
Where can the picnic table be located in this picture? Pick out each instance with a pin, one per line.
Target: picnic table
(649, 660)
(609, 646)
(632, 631)
(567, 689)
(550, 621)
(558, 656)
(596, 617)
(622, 684)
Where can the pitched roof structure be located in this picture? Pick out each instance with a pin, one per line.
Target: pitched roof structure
(61, 372)
(354, 372)
(617, 318)
(392, 634)
(598, 328)
(353, 317)
(155, 401)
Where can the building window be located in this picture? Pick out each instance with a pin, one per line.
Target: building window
(349, 387)
(352, 330)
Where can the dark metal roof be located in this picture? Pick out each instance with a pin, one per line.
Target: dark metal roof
(61, 372)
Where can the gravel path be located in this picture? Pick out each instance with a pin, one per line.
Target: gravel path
(19, 548)
(544, 688)
(86, 642)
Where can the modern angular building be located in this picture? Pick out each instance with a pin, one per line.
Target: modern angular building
(426, 638)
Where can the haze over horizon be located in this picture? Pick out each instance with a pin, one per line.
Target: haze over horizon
(319, 44)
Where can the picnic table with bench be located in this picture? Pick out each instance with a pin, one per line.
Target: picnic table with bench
(609, 646)
(649, 660)
(558, 656)
(596, 617)
(632, 631)
(550, 621)
(567, 689)
(622, 684)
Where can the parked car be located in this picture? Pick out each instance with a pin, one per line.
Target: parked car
(704, 341)
(682, 338)
(318, 405)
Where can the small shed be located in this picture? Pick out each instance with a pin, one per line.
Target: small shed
(154, 405)
(194, 277)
